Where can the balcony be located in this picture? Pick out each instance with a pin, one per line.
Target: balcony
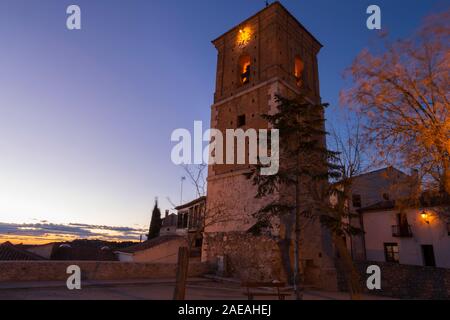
(402, 231)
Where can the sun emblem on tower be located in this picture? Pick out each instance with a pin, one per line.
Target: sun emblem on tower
(244, 37)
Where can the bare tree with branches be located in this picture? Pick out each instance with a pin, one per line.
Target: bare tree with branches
(197, 176)
(403, 93)
(350, 152)
(348, 143)
(210, 215)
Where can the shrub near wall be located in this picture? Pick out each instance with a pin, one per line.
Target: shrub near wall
(405, 282)
(55, 270)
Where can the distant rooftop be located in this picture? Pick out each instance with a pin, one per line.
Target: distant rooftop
(149, 244)
(9, 252)
(190, 204)
(391, 168)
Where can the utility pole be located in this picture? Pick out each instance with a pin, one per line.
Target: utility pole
(181, 197)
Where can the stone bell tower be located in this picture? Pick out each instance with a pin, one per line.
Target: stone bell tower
(270, 53)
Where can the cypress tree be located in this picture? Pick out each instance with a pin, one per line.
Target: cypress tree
(155, 225)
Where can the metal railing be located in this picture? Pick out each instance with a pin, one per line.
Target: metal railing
(402, 231)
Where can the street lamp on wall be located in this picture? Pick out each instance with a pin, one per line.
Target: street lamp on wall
(425, 217)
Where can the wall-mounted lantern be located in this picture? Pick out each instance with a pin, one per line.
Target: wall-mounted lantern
(425, 217)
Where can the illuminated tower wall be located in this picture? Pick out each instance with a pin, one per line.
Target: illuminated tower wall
(270, 53)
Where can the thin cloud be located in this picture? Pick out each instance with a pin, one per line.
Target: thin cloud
(72, 230)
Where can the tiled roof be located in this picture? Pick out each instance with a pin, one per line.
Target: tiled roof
(376, 172)
(425, 201)
(190, 204)
(379, 206)
(9, 252)
(150, 244)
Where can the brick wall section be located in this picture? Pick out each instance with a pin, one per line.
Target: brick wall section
(405, 281)
(276, 41)
(54, 271)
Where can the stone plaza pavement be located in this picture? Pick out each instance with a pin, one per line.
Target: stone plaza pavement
(197, 289)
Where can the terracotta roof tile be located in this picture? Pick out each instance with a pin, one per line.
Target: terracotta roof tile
(190, 204)
(9, 252)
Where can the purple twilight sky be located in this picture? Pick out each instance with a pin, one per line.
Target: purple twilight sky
(86, 116)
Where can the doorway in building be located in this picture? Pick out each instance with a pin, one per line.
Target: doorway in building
(429, 259)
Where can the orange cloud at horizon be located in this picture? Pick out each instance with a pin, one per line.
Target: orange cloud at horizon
(50, 238)
(45, 232)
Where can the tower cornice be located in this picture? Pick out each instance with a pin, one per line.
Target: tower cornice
(271, 6)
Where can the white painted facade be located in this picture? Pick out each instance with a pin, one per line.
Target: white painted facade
(124, 257)
(372, 188)
(164, 252)
(45, 251)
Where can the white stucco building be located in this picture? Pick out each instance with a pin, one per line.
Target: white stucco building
(372, 188)
(418, 237)
(414, 235)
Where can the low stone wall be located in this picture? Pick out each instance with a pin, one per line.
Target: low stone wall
(55, 270)
(405, 281)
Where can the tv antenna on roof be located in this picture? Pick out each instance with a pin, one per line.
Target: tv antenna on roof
(267, 3)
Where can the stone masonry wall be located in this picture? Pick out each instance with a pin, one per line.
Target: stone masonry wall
(55, 271)
(260, 258)
(244, 258)
(405, 281)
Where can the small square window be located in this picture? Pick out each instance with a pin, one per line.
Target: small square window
(357, 201)
(386, 196)
(241, 121)
(198, 243)
(391, 252)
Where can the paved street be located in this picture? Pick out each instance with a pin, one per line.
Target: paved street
(198, 289)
